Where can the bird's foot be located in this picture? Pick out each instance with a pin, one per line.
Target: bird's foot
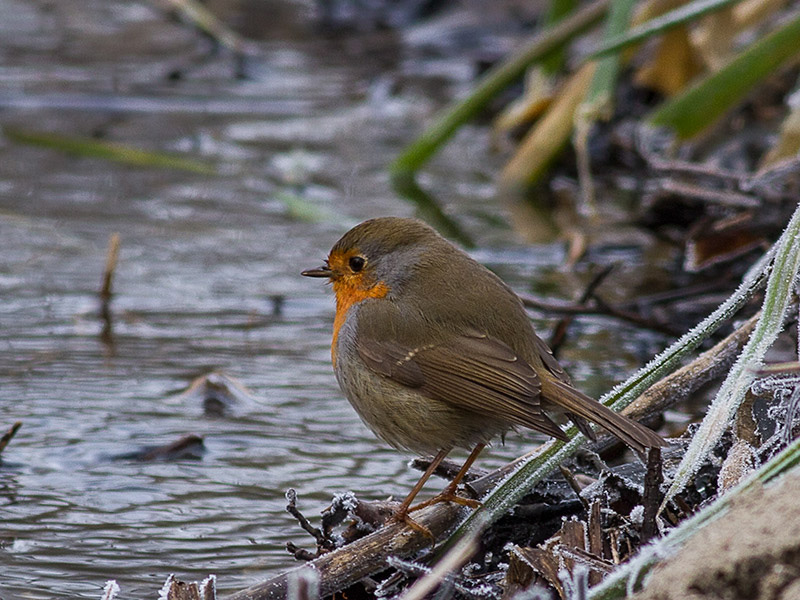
(401, 516)
(447, 495)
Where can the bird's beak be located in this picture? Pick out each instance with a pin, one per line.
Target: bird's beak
(323, 271)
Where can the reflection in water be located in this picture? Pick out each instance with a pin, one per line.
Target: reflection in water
(207, 279)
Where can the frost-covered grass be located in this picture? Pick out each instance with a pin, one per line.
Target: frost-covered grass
(777, 300)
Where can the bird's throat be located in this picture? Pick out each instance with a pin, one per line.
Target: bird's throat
(347, 296)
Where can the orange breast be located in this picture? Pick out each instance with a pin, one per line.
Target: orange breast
(347, 296)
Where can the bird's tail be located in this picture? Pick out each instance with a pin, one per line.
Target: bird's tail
(565, 397)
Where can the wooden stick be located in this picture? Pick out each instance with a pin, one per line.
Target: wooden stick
(108, 278)
(678, 385)
(366, 556)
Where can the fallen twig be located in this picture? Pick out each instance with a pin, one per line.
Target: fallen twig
(206, 21)
(596, 306)
(12, 431)
(560, 330)
(343, 567)
(105, 289)
(651, 498)
(323, 543)
(680, 384)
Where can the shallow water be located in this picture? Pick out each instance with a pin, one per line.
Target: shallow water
(208, 279)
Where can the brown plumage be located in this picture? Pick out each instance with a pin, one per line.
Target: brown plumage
(434, 351)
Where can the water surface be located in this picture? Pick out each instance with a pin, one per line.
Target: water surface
(208, 279)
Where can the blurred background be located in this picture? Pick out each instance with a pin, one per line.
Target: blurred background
(228, 158)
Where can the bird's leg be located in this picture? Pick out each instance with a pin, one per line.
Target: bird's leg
(437, 460)
(449, 493)
(401, 514)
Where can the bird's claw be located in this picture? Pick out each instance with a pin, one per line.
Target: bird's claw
(447, 496)
(402, 517)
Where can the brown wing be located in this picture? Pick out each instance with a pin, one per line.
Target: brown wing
(471, 371)
(552, 365)
(549, 360)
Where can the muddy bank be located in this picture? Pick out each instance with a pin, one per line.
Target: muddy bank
(753, 552)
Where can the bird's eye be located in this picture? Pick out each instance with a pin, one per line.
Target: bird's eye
(357, 263)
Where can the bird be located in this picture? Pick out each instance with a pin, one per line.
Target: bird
(435, 352)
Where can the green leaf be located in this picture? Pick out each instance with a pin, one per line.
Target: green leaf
(428, 209)
(707, 100)
(303, 210)
(556, 11)
(601, 91)
(599, 100)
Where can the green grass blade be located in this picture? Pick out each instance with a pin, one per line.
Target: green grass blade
(445, 125)
(674, 18)
(599, 100)
(601, 91)
(428, 209)
(206, 21)
(301, 209)
(777, 300)
(556, 12)
(707, 100)
(120, 153)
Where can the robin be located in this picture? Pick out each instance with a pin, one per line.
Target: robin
(435, 352)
